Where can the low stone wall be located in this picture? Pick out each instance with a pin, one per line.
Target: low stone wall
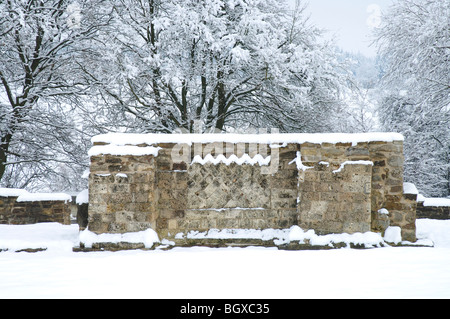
(18, 207)
(174, 184)
(432, 212)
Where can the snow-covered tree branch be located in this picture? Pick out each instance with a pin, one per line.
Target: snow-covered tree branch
(41, 41)
(415, 40)
(225, 63)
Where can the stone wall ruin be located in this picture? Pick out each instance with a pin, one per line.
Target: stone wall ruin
(177, 183)
(19, 207)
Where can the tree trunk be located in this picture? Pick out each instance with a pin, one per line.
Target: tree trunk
(4, 146)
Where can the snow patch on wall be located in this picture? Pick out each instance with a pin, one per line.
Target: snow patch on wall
(298, 162)
(352, 163)
(245, 159)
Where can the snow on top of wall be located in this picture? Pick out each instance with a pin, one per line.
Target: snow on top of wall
(393, 234)
(12, 192)
(122, 139)
(36, 197)
(410, 188)
(436, 202)
(24, 196)
(147, 237)
(293, 234)
(123, 150)
(83, 197)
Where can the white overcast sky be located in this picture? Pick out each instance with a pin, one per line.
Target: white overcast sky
(348, 21)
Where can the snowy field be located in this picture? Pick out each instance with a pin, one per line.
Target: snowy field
(388, 272)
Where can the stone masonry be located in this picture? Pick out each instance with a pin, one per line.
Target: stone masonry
(13, 211)
(327, 182)
(432, 212)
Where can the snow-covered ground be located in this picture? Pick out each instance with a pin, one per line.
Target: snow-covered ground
(388, 272)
